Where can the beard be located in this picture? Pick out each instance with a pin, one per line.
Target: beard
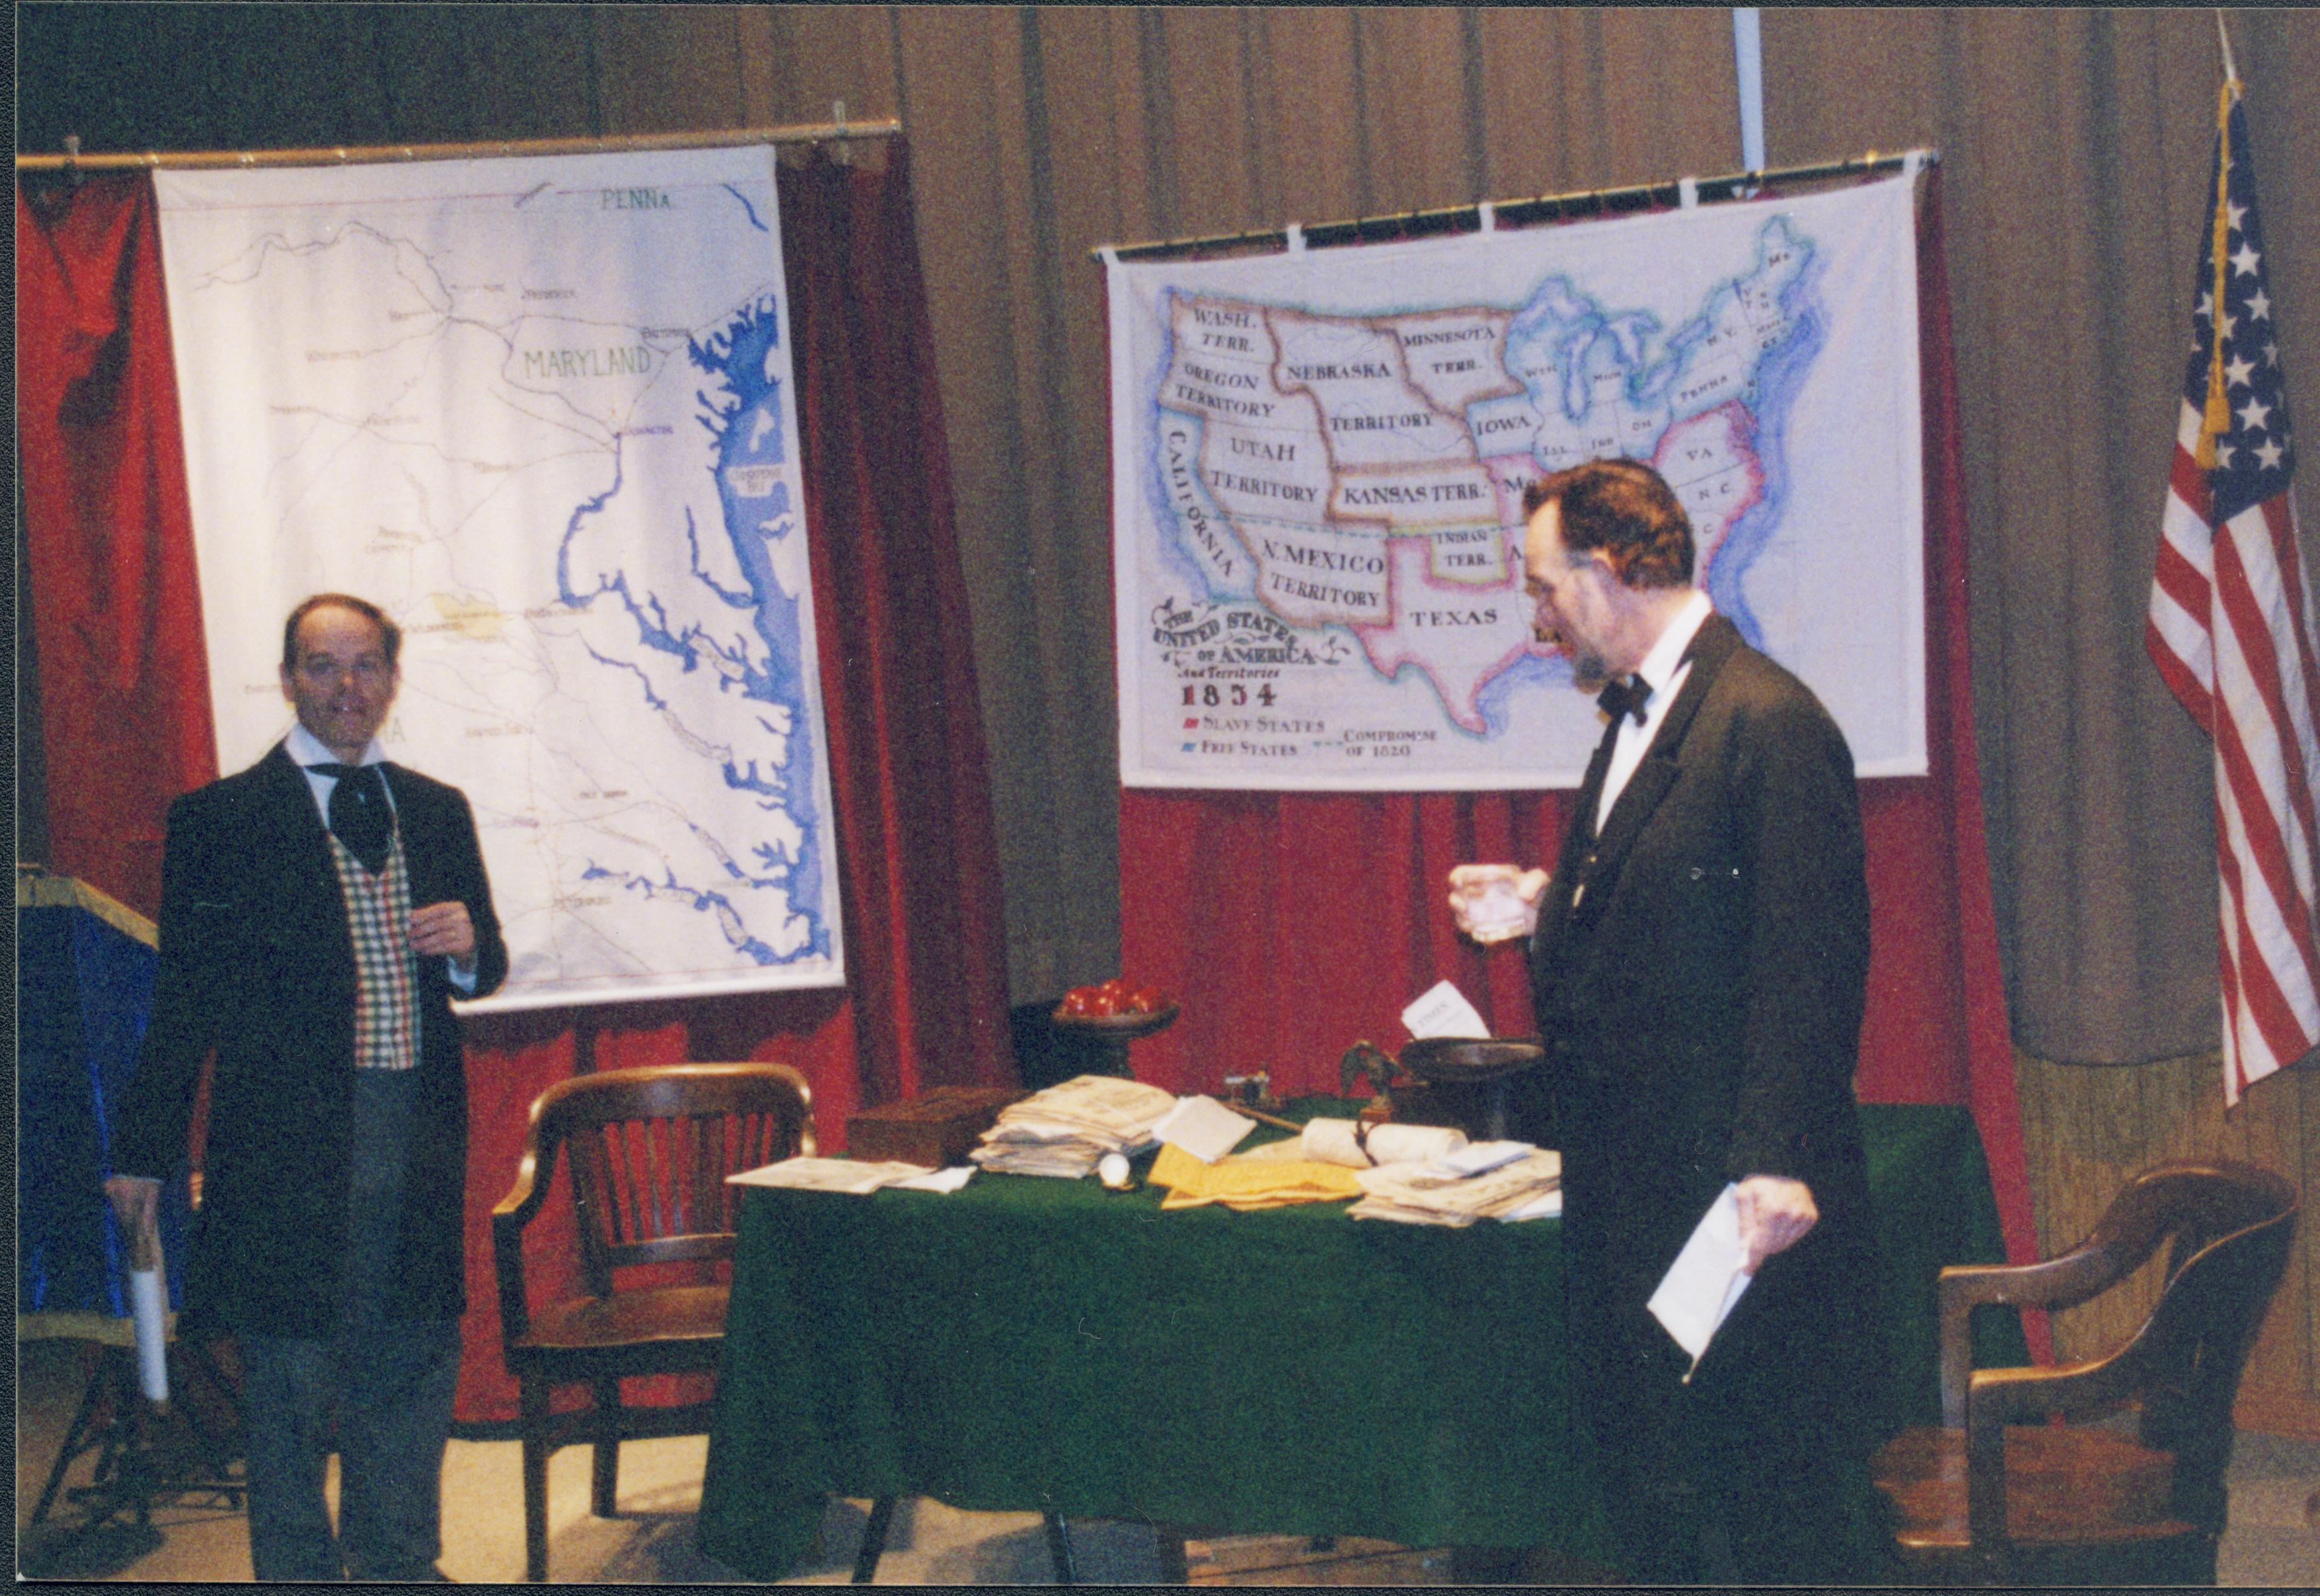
(1588, 670)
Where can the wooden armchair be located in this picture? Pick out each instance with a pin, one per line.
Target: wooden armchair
(649, 1150)
(2000, 1495)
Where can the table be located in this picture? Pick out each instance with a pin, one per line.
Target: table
(1032, 1345)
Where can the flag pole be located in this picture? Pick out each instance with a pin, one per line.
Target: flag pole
(2231, 67)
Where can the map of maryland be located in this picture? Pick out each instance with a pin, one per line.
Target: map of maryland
(1367, 472)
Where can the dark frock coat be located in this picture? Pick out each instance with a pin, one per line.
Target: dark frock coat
(1702, 1002)
(256, 961)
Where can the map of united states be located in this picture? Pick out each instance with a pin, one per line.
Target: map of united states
(1367, 472)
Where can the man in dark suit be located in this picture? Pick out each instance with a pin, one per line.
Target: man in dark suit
(318, 912)
(1698, 963)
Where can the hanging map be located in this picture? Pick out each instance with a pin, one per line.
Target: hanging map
(539, 412)
(1318, 459)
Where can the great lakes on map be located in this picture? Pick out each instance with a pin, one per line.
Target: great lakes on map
(1366, 473)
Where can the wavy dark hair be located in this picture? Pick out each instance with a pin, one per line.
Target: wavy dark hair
(1625, 508)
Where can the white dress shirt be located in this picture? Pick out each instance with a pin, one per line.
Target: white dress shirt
(1665, 669)
(309, 751)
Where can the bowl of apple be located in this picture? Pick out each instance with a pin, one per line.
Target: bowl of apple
(1116, 1009)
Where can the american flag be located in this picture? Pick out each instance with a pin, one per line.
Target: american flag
(2230, 629)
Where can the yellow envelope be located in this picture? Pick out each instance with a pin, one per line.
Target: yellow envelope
(1248, 1184)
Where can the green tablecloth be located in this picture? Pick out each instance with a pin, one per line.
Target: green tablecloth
(1047, 1346)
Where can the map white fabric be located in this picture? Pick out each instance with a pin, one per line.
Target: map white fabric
(539, 412)
(1319, 461)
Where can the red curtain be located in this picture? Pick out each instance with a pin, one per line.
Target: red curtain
(1291, 924)
(116, 616)
(123, 676)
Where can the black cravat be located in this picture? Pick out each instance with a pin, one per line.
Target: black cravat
(1625, 695)
(359, 815)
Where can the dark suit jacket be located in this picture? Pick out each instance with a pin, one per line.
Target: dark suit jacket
(1702, 1000)
(256, 961)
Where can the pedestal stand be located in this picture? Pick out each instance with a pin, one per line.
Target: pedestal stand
(145, 1456)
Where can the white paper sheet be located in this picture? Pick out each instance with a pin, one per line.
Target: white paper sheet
(944, 1181)
(1704, 1281)
(1203, 1127)
(1442, 1010)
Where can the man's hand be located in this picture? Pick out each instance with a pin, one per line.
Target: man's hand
(1776, 1212)
(445, 928)
(1496, 903)
(136, 1203)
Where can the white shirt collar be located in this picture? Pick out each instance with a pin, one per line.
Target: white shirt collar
(1659, 666)
(307, 749)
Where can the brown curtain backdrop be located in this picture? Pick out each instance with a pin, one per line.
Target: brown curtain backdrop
(2074, 141)
(2075, 145)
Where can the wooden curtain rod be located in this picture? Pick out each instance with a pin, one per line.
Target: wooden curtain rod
(74, 161)
(1595, 201)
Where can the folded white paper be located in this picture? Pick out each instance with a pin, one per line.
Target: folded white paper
(1332, 1142)
(1706, 1280)
(1546, 1205)
(1479, 1157)
(940, 1180)
(1203, 1127)
(148, 1307)
(1443, 1011)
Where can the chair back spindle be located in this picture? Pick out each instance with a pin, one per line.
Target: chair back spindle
(647, 1152)
(647, 1156)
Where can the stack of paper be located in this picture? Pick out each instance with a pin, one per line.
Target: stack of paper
(1065, 1130)
(1244, 1181)
(1506, 1180)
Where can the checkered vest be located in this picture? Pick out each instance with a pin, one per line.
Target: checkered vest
(386, 971)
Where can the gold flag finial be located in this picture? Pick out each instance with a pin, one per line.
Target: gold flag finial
(2216, 418)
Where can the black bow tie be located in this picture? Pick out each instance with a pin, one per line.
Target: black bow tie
(1625, 694)
(360, 815)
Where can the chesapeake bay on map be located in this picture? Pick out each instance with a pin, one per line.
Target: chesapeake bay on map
(1319, 458)
(540, 410)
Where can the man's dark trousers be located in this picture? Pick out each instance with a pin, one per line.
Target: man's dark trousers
(390, 1380)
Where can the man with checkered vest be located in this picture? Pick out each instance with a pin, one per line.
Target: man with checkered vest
(318, 912)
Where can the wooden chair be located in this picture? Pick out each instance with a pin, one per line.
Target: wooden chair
(649, 1152)
(2000, 1496)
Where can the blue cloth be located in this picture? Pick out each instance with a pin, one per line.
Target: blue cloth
(85, 991)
